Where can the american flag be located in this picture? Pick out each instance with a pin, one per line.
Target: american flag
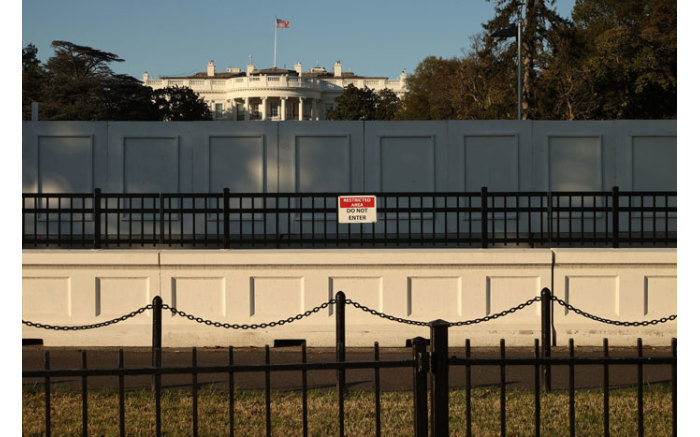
(282, 23)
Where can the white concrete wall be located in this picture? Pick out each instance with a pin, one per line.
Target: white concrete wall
(67, 287)
(347, 156)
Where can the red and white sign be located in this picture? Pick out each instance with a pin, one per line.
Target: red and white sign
(357, 209)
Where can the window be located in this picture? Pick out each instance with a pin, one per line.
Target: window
(219, 110)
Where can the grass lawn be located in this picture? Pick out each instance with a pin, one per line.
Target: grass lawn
(396, 412)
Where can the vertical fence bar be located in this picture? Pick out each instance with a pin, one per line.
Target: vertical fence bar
(227, 220)
(47, 392)
(545, 310)
(230, 393)
(420, 388)
(484, 218)
(468, 386)
(161, 219)
(606, 390)
(439, 389)
(268, 419)
(195, 424)
(340, 357)
(502, 367)
(122, 428)
(572, 410)
(304, 394)
(616, 216)
(640, 391)
(674, 387)
(377, 406)
(83, 378)
(97, 217)
(537, 388)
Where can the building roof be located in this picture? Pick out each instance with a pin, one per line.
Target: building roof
(273, 72)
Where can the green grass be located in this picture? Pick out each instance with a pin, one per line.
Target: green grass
(396, 414)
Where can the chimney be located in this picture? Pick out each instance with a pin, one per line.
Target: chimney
(402, 77)
(297, 68)
(337, 69)
(145, 76)
(210, 69)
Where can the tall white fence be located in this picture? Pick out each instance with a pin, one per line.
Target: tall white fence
(348, 156)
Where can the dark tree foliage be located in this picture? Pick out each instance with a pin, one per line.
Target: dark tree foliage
(33, 76)
(180, 104)
(77, 83)
(364, 104)
(615, 59)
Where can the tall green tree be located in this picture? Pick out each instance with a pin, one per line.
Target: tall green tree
(631, 56)
(364, 104)
(33, 77)
(180, 104)
(430, 90)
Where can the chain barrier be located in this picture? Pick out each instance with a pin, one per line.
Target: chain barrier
(252, 325)
(93, 326)
(609, 321)
(357, 305)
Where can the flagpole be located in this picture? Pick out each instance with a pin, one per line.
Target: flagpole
(274, 64)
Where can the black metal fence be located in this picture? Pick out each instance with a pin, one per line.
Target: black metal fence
(279, 220)
(430, 370)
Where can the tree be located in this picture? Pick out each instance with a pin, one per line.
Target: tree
(364, 104)
(33, 76)
(430, 89)
(631, 56)
(180, 104)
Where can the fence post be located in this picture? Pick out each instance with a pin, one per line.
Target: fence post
(161, 212)
(420, 388)
(439, 387)
(484, 218)
(157, 338)
(616, 216)
(340, 356)
(227, 223)
(545, 309)
(96, 207)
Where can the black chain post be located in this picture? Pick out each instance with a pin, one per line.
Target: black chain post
(439, 387)
(420, 388)
(97, 216)
(546, 310)
(157, 339)
(340, 355)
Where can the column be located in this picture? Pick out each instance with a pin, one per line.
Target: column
(301, 108)
(246, 108)
(283, 115)
(234, 109)
(314, 109)
(264, 108)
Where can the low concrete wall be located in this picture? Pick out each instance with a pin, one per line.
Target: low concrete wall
(66, 287)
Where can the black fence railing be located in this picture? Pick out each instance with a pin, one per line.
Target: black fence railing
(293, 220)
(430, 364)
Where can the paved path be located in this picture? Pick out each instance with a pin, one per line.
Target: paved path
(391, 379)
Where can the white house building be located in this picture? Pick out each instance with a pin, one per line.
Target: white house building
(274, 93)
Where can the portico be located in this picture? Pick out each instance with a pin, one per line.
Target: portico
(274, 93)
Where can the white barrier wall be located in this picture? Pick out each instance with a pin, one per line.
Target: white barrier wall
(348, 156)
(67, 287)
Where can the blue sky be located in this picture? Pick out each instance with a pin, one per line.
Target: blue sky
(176, 37)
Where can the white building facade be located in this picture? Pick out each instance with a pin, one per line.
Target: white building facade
(274, 94)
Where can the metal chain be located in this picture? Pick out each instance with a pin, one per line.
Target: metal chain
(462, 323)
(93, 326)
(383, 315)
(609, 321)
(248, 326)
(497, 315)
